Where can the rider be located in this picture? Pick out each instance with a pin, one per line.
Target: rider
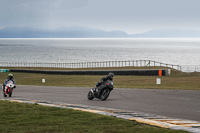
(10, 77)
(110, 76)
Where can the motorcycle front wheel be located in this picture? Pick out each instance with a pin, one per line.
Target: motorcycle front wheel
(105, 94)
(10, 94)
(90, 95)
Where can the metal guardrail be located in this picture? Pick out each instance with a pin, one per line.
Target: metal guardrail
(138, 72)
(3, 70)
(191, 68)
(130, 63)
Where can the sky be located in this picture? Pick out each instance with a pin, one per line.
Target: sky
(130, 16)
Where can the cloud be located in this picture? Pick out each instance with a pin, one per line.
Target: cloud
(35, 12)
(127, 15)
(42, 4)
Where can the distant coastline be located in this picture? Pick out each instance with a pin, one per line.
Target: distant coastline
(84, 32)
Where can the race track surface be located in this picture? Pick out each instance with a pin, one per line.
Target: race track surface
(182, 104)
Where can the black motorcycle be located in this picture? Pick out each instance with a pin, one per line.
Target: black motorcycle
(102, 92)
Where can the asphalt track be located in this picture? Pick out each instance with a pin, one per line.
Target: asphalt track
(182, 104)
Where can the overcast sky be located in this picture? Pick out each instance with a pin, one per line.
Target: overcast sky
(131, 16)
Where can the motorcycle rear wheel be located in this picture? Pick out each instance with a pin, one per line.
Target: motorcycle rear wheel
(90, 95)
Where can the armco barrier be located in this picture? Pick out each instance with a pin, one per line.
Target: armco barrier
(4, 70)
(147, 72)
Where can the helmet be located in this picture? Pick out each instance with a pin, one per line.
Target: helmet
(111, 75)
(10, 75)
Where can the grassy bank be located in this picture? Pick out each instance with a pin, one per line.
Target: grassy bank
(178, 80)
(27, 118)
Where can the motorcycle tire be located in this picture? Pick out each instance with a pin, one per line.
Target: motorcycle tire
(90, 95)
(10, 94)
(105, 94)
(4, 94)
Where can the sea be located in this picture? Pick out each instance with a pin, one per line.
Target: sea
(177, 51)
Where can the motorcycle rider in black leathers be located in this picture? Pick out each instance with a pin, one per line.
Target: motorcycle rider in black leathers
(10, 77)
(110, 76)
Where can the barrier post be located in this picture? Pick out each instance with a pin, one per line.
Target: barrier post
(43, 80)
(158, 81)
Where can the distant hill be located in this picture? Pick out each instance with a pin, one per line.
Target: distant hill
(168, 33)
(75, 32)
(83, 32)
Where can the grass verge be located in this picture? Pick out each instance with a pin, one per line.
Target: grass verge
(177, 80)
(28, 118)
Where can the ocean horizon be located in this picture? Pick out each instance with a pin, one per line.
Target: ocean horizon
(177, 51)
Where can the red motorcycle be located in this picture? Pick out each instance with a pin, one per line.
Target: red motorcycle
(8, 89)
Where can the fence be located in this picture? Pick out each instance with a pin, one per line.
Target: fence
(191, 68)
(131, 63)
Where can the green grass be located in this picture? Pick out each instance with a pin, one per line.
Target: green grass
(178, 80)
(28, 118)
